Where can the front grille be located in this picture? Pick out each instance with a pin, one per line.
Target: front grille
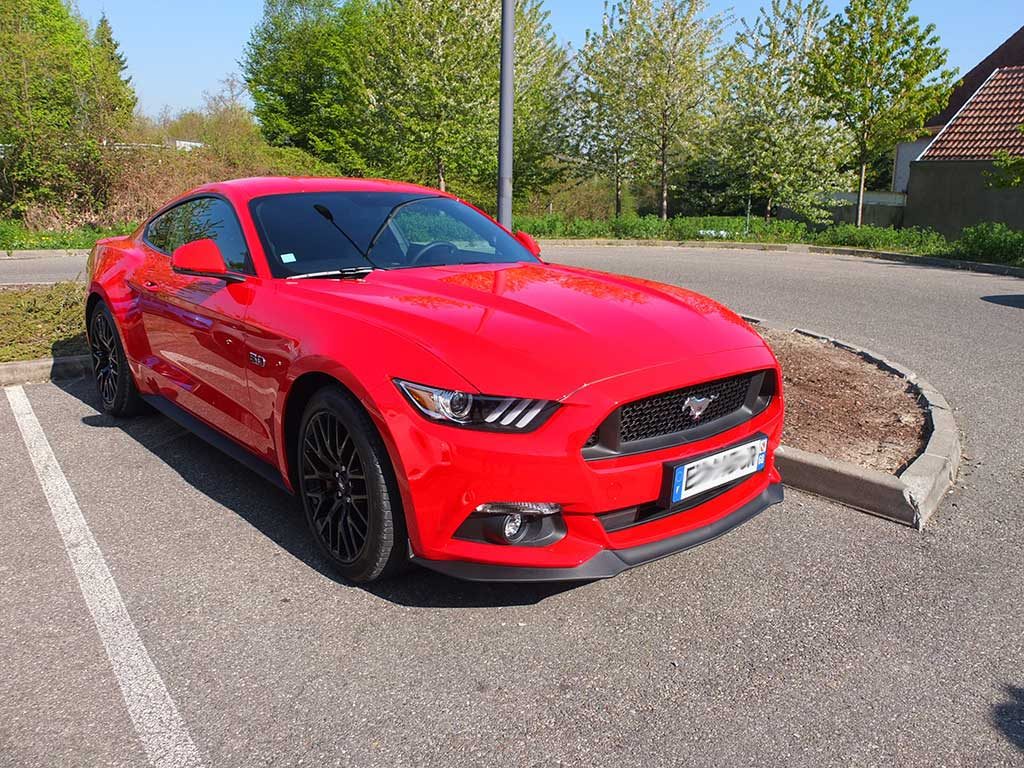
(665, 420)
(666, 414)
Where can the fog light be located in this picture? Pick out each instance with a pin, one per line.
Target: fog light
(519, 522)
(512, 526)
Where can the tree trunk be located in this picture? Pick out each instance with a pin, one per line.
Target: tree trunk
(618, 195)
(440, 175)
(860, 194)
(768, 211)
(664, 177)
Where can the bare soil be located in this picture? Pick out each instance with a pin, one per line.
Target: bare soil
(842, 406)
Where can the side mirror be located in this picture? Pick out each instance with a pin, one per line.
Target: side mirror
(201, 258)
(528, 242)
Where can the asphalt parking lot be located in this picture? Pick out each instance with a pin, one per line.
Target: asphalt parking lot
(813, 635)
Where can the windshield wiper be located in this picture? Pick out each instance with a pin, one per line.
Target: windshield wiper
(324, 211)
(349, 273)
(387, 220)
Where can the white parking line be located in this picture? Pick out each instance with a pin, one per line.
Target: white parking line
(158, 724)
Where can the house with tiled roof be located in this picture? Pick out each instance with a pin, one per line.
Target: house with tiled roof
(950, 184)
(1009, 54)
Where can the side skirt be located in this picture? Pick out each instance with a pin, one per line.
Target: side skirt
(218, 440)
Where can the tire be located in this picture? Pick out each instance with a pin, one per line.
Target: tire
(115, 383)
(348, 488)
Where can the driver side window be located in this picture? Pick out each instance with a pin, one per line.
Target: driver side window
(197, 219)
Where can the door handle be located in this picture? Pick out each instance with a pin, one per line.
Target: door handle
(150, 286)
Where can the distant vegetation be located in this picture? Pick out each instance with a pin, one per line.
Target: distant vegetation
(994, 243)
(667, 108)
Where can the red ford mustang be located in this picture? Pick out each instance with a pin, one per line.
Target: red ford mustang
(429, 387)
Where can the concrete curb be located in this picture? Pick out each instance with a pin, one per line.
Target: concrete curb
(912, 496)
(47, 253)
(906, 258)
(44, 369)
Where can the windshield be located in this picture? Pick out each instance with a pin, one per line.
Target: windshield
(321, 232)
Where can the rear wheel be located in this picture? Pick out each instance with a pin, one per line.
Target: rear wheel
(347, 487)
(114, 381)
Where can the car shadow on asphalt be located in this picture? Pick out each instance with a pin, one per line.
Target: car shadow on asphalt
(1015, 300)
(277, 514)
(1008, 716)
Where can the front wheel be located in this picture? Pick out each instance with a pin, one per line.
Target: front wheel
(114, 381)
(347, 487)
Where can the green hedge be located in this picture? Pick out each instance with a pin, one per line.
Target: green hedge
(994, 243)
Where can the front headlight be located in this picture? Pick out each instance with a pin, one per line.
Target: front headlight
(464, 409)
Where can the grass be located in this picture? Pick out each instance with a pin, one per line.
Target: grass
(14, 236)
(42, 321)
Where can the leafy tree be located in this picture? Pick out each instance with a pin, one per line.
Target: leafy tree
(783, 152)
(305, 66)
(433, 85)
(1009, 169)
(603, 120)
(675, 57)
(881, 74)
(407, 89)
(46, 67)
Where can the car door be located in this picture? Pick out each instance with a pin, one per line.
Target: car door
(195, 326)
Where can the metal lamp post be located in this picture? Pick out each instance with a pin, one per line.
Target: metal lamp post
(505, 114)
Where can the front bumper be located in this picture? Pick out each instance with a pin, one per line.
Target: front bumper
(610, 562)
(445, 473)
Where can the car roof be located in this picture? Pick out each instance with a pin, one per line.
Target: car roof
(259, 186)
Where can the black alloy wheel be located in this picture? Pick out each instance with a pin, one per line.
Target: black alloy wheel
(348, 488)
(334, 482)
(114, 381)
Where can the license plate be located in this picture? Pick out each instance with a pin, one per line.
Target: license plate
(718, 469)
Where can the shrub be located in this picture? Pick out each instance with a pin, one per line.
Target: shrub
(910, 240)
(992, 242)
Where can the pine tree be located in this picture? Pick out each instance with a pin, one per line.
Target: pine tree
(113, 95)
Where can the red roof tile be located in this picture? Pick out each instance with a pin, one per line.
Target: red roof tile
(1009, 54)
(988, 123)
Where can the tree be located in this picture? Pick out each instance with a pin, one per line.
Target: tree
(783, 152)
(46, 66)
(305, 66)
(433, 84)
(881, 75)
(407, 89)
(675, 57)
(113, 95)
(604, 121)
(1009, 169)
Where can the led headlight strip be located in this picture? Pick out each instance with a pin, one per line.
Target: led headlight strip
(465, 409)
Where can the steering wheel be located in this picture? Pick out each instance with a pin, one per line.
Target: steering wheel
(432, 246)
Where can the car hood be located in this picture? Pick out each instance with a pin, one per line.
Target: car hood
(537, 330)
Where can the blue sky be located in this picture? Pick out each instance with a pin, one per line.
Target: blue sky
(178, 50)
